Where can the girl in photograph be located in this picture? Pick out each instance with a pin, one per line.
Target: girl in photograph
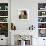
(23, 14)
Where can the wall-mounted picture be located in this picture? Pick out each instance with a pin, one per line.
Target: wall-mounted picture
(3, 6)
(41, 19)
(41, 25)
(42, 32)
(42, 6)
(41, 13)
(4, 29)
(3, 19)
(23, 14)
(3, 13)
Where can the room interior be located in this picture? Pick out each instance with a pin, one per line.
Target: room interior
(22, 23)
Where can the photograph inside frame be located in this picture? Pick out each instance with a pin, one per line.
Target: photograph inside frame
(23, 14)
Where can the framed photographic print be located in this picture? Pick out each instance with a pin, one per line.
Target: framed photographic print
(23, 14)
(41, 6)
(3, 19)
(4, 29)
(42, 32)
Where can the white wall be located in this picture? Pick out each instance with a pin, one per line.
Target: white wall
(24, 4)
(32, 6)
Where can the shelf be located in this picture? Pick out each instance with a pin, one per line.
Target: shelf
(41, 22)
(42, 16)
(3, 16)
(4, 19)
(41, 28)
(41, 10)
(3, 10)
(3, 22)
